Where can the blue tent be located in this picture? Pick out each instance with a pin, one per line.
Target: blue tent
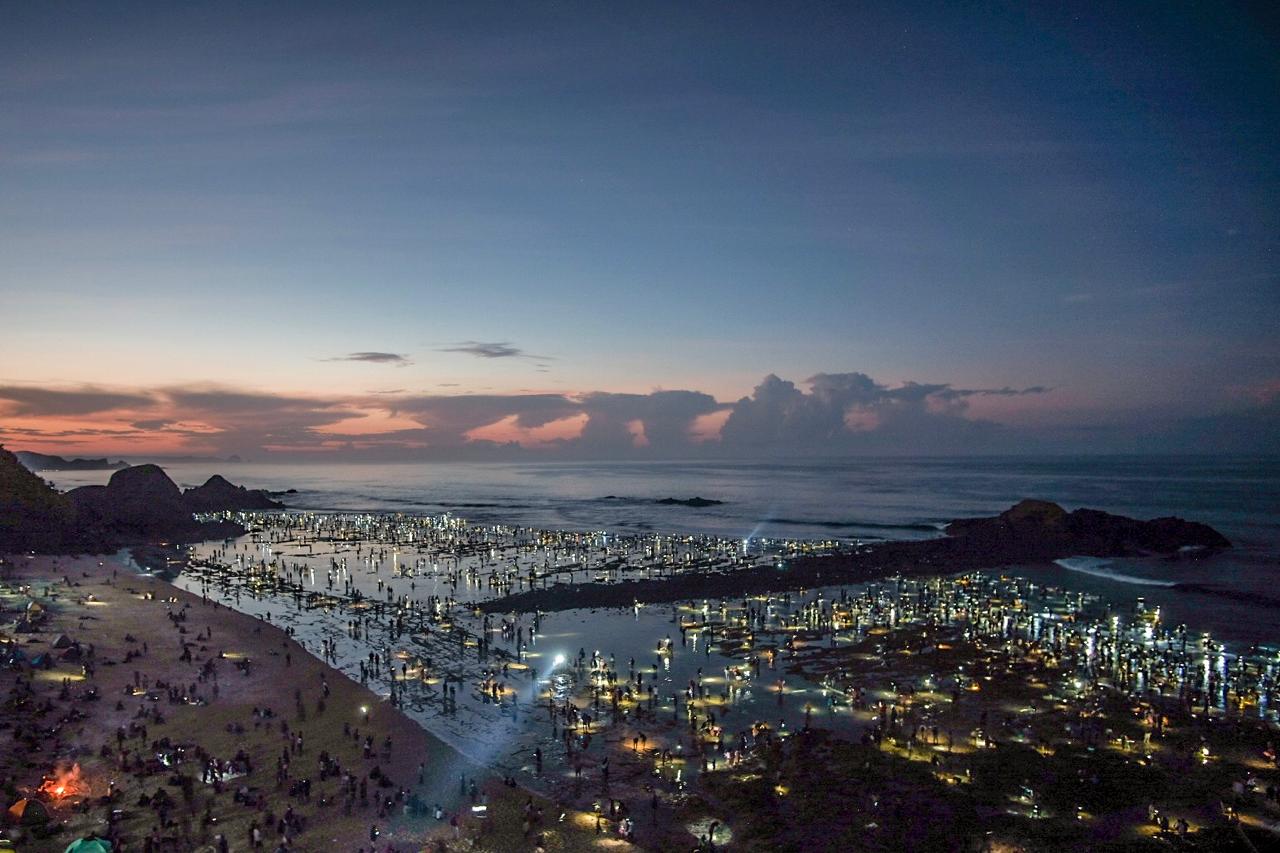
(89, 845)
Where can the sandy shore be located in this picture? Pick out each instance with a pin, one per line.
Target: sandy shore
(329, 767)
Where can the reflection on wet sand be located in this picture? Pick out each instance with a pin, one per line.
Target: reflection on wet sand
(608, 709)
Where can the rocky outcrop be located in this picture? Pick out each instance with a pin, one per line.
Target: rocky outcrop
(138, 505)
(217, 495)
(1042, 526)
(33, 517)
(695, 502)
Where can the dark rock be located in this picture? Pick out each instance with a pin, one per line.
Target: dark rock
(140, 501)
(1043, 526)
(33, 517)
(218, 495)
(695, 502)
(138, 505)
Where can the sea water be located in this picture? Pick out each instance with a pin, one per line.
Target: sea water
(859, 498)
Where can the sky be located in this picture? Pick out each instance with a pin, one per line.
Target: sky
(430, 230)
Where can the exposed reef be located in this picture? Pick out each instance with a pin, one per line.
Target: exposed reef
(1030, 531)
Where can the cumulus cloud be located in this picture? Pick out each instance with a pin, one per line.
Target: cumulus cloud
(851, 412)
(664, 418)
(395, 358)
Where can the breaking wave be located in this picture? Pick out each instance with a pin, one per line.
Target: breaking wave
(1098, 569)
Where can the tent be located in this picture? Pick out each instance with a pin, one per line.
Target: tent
(92, 844)
(42, 661)
(27, 812)
(72, 653)
(62, 642)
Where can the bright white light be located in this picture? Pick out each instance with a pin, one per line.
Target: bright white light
(559, 661)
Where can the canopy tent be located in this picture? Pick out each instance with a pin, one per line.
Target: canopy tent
(91, 844)
(27, 812)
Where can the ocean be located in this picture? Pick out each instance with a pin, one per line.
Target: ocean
(861, 498)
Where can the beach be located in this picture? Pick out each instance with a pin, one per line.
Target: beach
(386, 682)
(244, 732)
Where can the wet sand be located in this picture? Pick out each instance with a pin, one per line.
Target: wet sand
(211, 705)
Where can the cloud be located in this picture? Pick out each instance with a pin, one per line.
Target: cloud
(84, 400)
(493, 349)
(374, 358)
(948, 391)
(666, 420)
(828, 414)
(851, 412)
(833, 413)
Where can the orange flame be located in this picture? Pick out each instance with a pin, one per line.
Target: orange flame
(66, 782)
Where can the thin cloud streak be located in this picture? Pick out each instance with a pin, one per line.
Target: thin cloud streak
(374, 358)
(493, 349)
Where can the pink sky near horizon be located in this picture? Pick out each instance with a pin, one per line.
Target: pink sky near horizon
(359, 421)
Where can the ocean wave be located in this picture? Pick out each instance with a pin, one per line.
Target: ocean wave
(1098, 569)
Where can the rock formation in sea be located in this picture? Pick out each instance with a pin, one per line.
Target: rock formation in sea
(217, 495)
(695, 502)
(1043, 525)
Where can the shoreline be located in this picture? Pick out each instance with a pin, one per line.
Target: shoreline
(129, 629)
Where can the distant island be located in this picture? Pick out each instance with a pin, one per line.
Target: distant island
(45, 462)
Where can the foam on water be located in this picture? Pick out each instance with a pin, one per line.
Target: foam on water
(1100, 568)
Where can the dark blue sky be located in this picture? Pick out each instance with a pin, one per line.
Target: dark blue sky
(688, 196)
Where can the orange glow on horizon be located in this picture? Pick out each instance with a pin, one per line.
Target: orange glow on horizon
(707, 427)
(507, 430)
(370, 422)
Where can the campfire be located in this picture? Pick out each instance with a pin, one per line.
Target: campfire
(65, 782)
